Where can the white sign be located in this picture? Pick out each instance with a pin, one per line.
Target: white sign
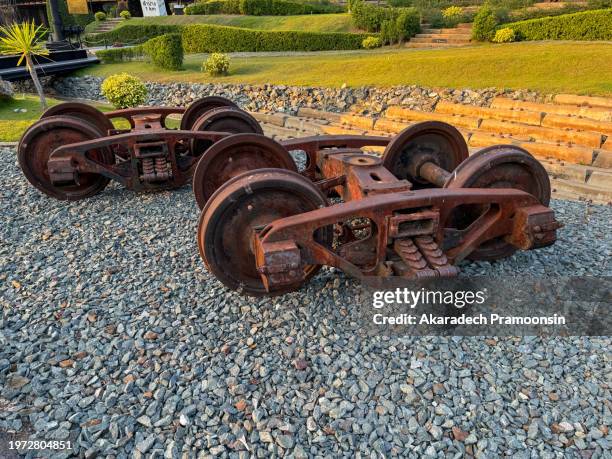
(153, 8)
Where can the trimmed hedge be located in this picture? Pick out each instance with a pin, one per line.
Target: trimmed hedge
(285, 8)
(589, 25)
(114, 55)
(134, 33)
(165, 51)
(262, 7)
(205, 38)
(214, 7)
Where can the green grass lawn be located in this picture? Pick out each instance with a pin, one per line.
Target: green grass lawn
(13, 124)
(574, 67)
(304, 23)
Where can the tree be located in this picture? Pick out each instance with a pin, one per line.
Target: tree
(25, 39)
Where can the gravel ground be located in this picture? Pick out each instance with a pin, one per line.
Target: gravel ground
(114, 336)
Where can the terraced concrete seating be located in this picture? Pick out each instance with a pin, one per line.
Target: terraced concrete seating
(439, 38)
(575, 149)
(595, 113)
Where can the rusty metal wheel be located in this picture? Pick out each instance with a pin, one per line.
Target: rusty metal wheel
(246, 203)
(42, 138)
(500, 166)
(83, 112)
(223, 119)
(234, 155)
(200, 107)
(431, 141)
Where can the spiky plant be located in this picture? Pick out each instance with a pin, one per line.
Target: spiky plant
(25, 39)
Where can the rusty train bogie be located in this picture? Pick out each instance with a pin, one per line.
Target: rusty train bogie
(402, 215)
(74, 150)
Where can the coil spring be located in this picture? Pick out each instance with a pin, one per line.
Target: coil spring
(148, 167)
(160, 165)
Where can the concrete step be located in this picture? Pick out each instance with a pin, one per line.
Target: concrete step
(590, 192)
(457, 31)
(504, 114)
(411, 44)
(574, 122)
(583, 138)
(585, 101)
(404, 114)
(439, 40)
(595, 113)
(457, 36)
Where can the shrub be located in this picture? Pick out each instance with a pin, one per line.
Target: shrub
(588, 25)
(135, 33)
(389, 33)
(433, 17)
(371, 18)
(100, 16)
(207, 38)
(114, 55)
(599, 4)
(124, 91)
(371, 43)
(525, 14)
(452, 15)
(398, 3)
(505, 35)
(125, 14)
(408, 23)
(216, 64)
(214, 7)
(484, 25)
(285, 8)
(165, 51)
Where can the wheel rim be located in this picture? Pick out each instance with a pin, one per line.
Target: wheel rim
(42, 138)
(253, 199)
(82, 112)
(233, 156)
(500, 166)
(432, 141)
(223, 119)
(200, 107)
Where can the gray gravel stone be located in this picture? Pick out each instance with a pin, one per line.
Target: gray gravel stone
(87, 280)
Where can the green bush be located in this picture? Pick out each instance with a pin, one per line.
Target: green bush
(214, 7)
(135, 33)
(398, 3)
(505, 35)
(114, 55)
(371, 18)
(165, 51)
(206, 38)
(599, 4)
(100, 16)
(433, 17)
(525, 14)
(588, 25)
(216, 64)
(407, 23)
(371, 43)
(484, 25)
(510, 4)
(286, 8)
(125, 14)
(389, 33)
(124, 91)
